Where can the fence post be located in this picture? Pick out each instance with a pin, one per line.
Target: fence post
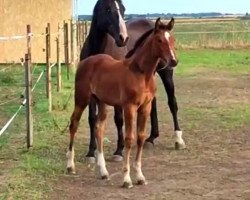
(48, 70)
(73, 36)
(85, 30)
(28, 83)
(58, 42)
(66, 47)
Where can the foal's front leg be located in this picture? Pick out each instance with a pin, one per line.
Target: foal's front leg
(142, 117)
(129, 116)
(100, 126)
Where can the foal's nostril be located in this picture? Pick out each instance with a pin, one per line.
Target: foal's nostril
(173, 63)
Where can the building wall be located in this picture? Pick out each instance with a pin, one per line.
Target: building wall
(14, 17)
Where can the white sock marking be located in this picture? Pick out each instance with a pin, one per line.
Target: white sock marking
(70, 155)
(178, 137)
(139, 174)
(101, 163)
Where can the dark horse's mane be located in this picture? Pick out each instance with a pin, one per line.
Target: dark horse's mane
(139, 43)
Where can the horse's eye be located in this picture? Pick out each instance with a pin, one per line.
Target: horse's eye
(160, 40)
(108, 11)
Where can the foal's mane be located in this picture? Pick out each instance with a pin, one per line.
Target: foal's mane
(142, 39)
(139, 43)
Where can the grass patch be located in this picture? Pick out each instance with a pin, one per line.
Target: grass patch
(234, 62)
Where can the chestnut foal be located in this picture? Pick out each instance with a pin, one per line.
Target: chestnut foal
(128, 83)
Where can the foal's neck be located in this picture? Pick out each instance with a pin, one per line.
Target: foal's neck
(144, 59)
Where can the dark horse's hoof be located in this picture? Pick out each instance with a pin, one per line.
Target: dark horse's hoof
(179, 146)
(90, 160)
(117, 158)
(148, 145)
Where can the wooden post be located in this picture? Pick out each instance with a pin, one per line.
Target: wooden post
(29, 121)
(48, 69)
(80, 35)
(28, 80)
(73, 44)
(66, 47)
(85, 30)
(59, 79)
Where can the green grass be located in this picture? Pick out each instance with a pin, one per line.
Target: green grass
(235, 62)
(31, 172)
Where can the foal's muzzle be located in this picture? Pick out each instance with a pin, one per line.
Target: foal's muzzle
(173, 63)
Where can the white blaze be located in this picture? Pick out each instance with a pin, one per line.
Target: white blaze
(122, 25)
(167, 36)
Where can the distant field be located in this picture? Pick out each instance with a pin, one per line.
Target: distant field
(212, 33)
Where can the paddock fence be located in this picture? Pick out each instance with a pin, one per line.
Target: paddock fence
(69, 39)
(20, 80)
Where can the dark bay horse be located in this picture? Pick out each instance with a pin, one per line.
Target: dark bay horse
(101, 40)
(129, 84)
(107, 21)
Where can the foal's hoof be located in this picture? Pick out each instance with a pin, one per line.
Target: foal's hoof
(117, 158)
(90, 160)
(105, 177)
(142, 182)
(148, 145)
(127, 185)
(180, 146)
(71, 170)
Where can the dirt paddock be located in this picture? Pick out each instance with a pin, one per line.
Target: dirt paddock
(215, 165)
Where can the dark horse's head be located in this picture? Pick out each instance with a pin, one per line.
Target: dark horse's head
(108, 16)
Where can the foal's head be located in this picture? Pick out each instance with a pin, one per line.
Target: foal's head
(109, 19)
(164, 42)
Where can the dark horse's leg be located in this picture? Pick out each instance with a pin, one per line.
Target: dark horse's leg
(92, 122)
(120, 142)
(167, 80)
(154, 123)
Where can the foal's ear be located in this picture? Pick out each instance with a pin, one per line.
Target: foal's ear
(170, 25)
(157, 24)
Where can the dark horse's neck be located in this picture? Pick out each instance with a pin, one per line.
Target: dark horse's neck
(94, 42)
(144, 59)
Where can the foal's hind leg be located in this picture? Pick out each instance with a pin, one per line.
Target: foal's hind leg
(143, 114)
(74, 121)
(100, 126)
(167, 79)
(117, 157)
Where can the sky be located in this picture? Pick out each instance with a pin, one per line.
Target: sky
(173, 6)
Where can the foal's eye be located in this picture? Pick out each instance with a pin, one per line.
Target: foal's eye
(108, 11)
(160, 40)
